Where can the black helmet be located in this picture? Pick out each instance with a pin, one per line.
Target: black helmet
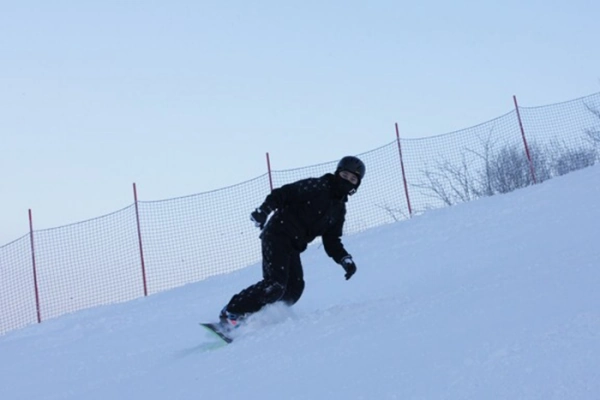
(352, 164)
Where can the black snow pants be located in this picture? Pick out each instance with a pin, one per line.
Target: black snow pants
(283, 278)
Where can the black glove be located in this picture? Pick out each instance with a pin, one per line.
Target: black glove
(259, 217)
(349, 266)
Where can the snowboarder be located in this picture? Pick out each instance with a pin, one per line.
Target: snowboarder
(301, 211)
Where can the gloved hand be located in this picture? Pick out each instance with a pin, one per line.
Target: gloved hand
(349, 266)
(259, 217)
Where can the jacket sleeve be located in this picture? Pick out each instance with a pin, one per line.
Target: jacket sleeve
(332, 241)
(291, 193)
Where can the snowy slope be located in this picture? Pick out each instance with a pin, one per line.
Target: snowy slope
(494, 299)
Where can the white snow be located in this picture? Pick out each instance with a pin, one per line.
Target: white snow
(494, 299)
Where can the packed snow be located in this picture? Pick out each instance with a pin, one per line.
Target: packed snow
(498, 298)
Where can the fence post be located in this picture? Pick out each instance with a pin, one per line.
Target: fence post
(35, 280)
(139, 232)
(531, 168)
(403, 172)
(269, 170)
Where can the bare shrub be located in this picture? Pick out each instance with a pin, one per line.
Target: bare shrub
(450, 183)
(397, 214)
(507, 168)
(510, 170)
(573, 160)
(503, 171)
(593, 134)
(542, 162)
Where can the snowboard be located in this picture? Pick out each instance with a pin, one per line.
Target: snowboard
(217, 330)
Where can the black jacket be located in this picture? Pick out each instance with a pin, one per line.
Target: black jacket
(306, 209)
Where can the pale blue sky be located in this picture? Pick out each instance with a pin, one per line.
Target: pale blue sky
(187, 96)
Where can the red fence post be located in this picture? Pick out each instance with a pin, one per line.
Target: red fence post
(139, 232)
(269, 169)
(403, 172)
(35, 280)
(531, 168)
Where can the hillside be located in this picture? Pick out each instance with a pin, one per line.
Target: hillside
(493, 299)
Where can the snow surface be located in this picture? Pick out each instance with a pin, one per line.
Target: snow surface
(494, 299)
